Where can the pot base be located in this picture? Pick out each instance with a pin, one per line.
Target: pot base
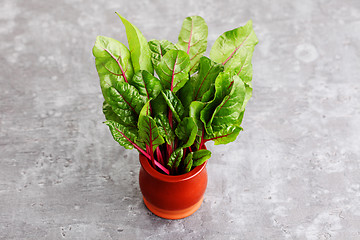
(168, 214)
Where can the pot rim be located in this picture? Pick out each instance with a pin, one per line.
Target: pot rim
(168, 178)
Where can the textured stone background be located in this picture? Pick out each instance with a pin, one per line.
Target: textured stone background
(292, 174)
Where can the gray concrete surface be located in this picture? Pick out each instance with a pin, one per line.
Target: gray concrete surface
(292, 174)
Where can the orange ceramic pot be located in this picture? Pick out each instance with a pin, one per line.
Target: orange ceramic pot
(172, 197)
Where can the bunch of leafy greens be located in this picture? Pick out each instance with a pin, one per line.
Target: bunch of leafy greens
(192, 99)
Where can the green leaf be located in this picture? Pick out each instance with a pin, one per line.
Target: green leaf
(124, 135)
(188, 162)
(139, 48)
(146, 110)
(241, 65)
(248, 94)
(164, 128)
(223, 84)
(193, 39)
(125, 101)
(197, 141)
(186, 132)
(147, 85)
(159, 106)
(185, 94)
(239, 120)
(148, 130)
(194, 112)
(204, 80)
(159, 49)
(224, 135)
(174, 104)
(112, 59)
(173, 70)
(113, 63)
(200, 156)
(208, 95)
(175, 158)
(109, 113)
(229, 110)
(234, 49)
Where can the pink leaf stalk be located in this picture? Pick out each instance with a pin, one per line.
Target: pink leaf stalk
(162, 167)
(144, 153)
(231, 55)
(159, 156)
(117, 61)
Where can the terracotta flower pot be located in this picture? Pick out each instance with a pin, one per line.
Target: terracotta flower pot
(172, 197)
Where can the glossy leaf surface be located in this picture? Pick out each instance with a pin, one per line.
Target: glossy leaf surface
(139, 48)
(185, 95)
(229, 110)
(193, 39)
(173, 70)
(204, 80)
(147, 85)
(174, 104)
(175, 158)
(164, 128)
(194, 112)
(188, 162)
(126, 102)
(186, 132)
(159, 48)
(223, 85)
(200, 156)
(225, 135)
(231, 43)
(109, 113)
(113, 63)
(148, 130)
(124, 135)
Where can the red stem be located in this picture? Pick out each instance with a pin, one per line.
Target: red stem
(163, 154)
(154, 162)
(117, 61)
(170, 118)
(235, 51)
(169, 150)
(188, 50)
(162, 167)
(159, 156)
(173, 74)
(148, 149)
(144, 153)
(202, 143)
(175, 143)
(169, 147)
(134, 144)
